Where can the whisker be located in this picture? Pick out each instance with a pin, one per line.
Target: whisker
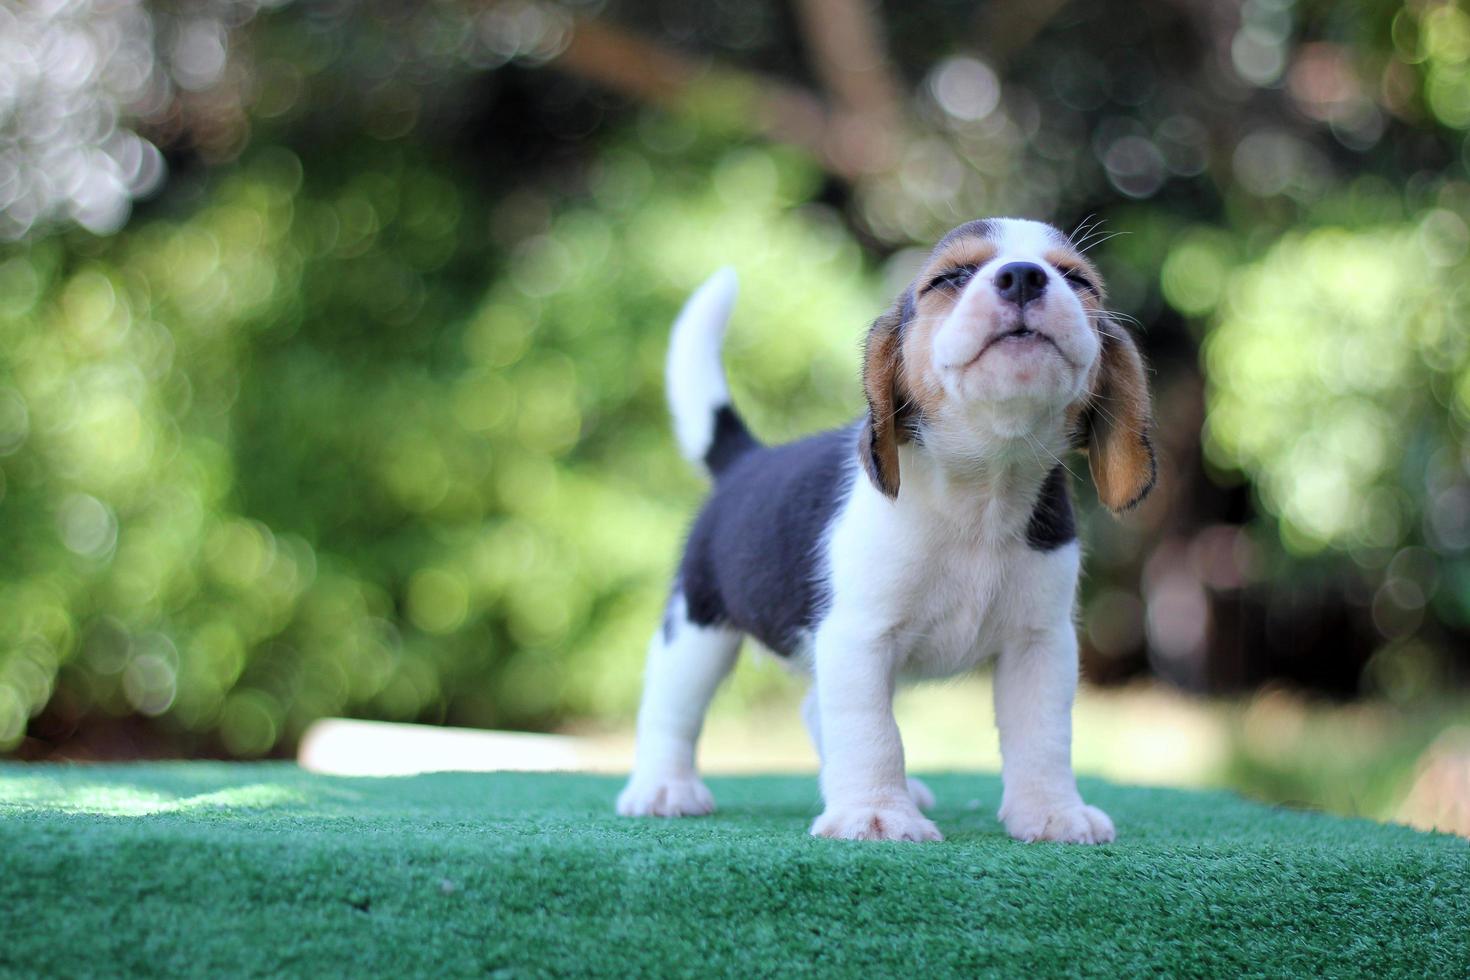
(1037, 444)
(1088, 223)
(1115, 315)
(1113, 419)
(1093, 217)
(1084, 249)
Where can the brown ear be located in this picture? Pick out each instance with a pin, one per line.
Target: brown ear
(878, 441)
(1120, 452)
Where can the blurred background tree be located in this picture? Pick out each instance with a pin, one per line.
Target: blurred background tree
(331, 333)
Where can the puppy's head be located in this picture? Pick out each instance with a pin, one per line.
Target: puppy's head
(1003, 337)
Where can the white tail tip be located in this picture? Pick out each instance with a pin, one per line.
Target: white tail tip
(694, 376)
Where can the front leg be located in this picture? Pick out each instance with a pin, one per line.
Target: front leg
(1035, 684)
(863, 784)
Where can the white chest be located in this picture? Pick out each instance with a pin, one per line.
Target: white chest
(949, 613)
(940, 592)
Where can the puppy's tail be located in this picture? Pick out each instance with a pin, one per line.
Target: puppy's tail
(708, 430)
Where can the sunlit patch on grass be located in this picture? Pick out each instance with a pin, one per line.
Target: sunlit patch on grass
(39, 793)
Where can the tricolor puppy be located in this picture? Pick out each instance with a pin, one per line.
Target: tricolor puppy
(932, 535)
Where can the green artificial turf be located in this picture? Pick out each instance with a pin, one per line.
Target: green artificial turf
(204, 869)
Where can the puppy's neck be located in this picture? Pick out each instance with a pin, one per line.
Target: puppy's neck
(990, 446)
(988, 496)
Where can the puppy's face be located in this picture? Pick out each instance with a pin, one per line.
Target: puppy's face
(1002, 335)
(1003, 325)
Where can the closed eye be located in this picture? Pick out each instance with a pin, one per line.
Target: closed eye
(1078, 279)
(952, 279)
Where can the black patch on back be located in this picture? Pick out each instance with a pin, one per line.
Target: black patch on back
(1052, 522)
(751, 560)
(731, 441)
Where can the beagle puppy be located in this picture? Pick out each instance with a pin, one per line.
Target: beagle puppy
(932, 535)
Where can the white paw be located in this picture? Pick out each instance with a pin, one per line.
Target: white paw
(923, 797)
(1070, 822)
(671, 796)
(898, 821)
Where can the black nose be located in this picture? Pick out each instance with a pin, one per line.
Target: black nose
(1020, 282)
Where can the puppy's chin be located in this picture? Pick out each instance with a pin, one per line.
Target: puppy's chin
(1028, 369)
(1019, 364)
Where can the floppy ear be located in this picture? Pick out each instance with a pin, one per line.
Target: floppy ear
(878, 441)
(1120, 452)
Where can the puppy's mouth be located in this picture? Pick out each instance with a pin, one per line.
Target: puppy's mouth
(1021, 333)
(1019, 336)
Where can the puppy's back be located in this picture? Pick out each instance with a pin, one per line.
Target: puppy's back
(754, 558)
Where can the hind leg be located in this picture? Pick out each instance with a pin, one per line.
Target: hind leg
(686, 663)
(923, 797)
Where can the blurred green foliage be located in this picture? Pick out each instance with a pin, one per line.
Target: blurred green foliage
(313, 448)
(1337, 357)
(1361, 331)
